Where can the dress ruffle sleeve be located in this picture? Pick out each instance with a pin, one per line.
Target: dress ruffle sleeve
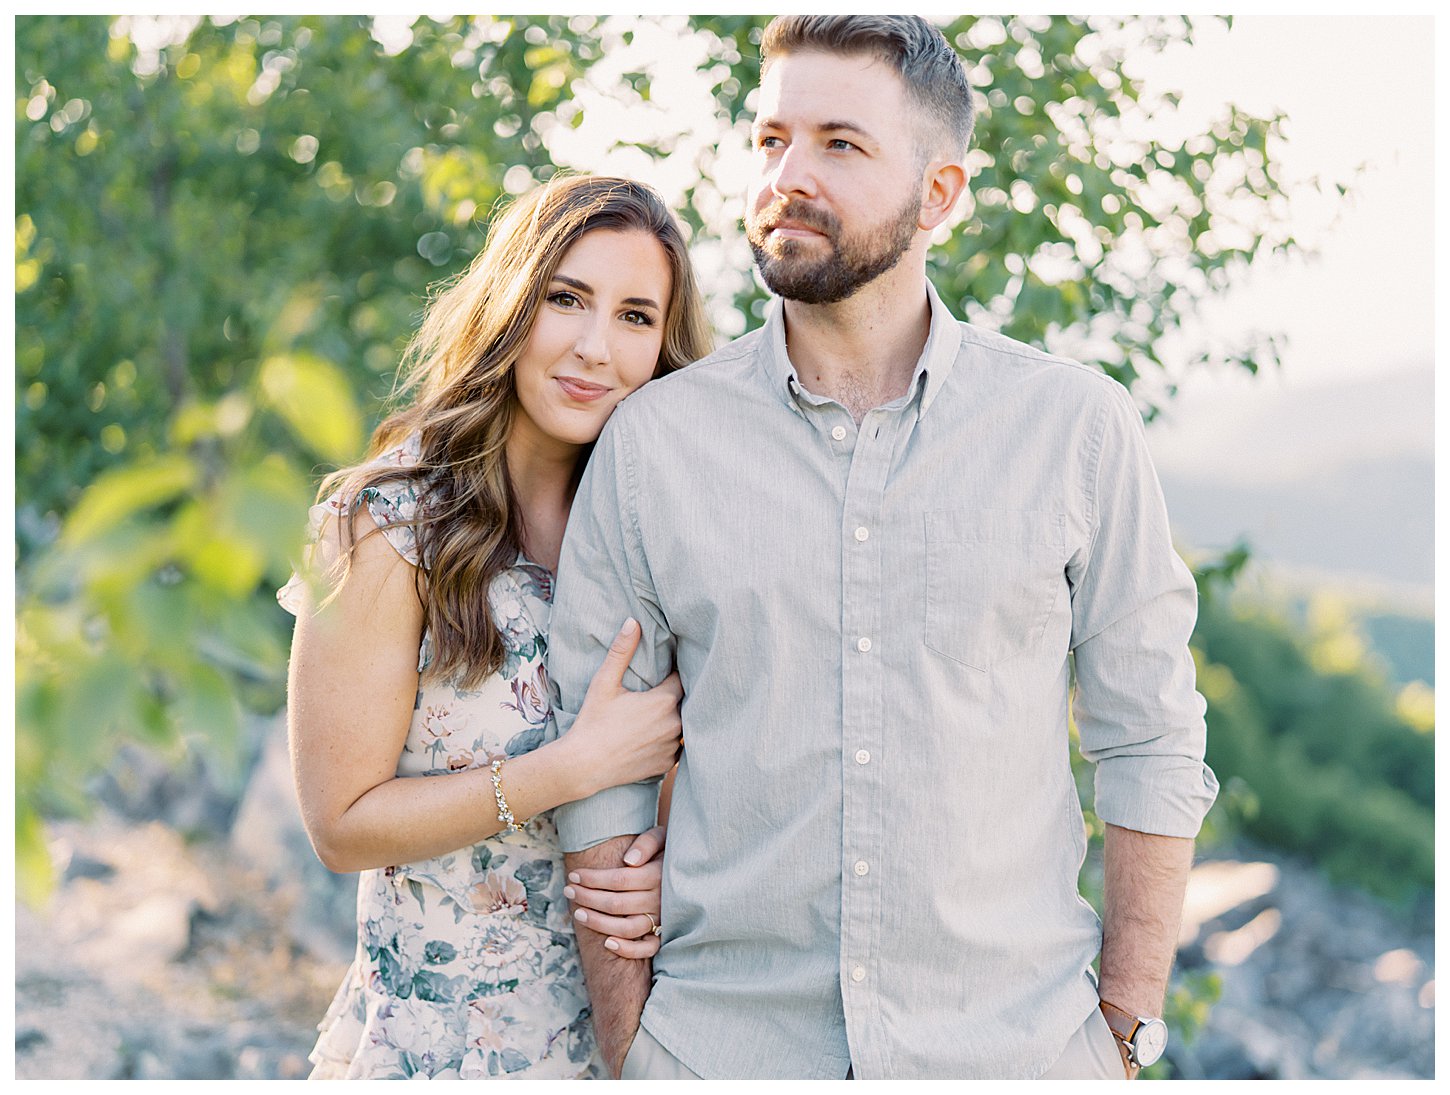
(392, 506)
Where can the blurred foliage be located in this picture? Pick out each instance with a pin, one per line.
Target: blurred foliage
(225, 230)
(1321, 754)
(194, 198)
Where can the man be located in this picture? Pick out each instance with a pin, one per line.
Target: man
(869, 536)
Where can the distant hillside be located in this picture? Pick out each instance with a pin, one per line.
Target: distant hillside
(1373, 517)
(1335, 477)
(1271, 430)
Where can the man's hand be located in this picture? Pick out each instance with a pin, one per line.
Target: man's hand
(618, 986)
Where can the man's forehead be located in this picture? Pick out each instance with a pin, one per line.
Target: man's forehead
(809, 86)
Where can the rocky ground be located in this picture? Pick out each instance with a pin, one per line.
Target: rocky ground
(213, 957)
(1319, 981)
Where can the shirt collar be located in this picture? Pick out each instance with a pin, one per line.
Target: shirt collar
(938, 356)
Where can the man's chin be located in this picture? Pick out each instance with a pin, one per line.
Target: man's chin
(788, 276)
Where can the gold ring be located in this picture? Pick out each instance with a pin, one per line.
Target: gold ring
(654, 925)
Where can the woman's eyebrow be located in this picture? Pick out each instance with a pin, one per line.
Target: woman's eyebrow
(575, 283)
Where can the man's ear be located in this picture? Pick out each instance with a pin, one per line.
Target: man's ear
(943, 184)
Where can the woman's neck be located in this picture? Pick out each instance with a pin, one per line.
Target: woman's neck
(542, 471)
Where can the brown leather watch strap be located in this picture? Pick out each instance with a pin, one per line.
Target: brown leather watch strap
(1123, 1024)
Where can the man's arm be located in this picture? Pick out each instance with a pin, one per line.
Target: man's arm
(1144, 879)
(617, 986)
(603, 574)
(1139, 716)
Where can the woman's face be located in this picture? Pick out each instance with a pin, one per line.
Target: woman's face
(597, 335)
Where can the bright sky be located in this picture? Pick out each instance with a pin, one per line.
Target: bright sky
(1357, 91)
(1359, 95)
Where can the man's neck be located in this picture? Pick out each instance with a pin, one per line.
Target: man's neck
(861, 351)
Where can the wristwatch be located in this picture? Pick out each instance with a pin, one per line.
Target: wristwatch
(1143, 1037)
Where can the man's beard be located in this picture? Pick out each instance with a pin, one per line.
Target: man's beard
(852, 261)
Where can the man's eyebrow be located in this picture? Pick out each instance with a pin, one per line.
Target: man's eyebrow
(832, 126)
(849, 127)
(584, 287)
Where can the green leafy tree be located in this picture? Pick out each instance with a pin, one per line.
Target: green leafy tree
(1309, 733)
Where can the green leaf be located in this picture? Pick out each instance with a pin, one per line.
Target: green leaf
(119, 494)
(266, 504)
(315, 400)
(102, 700)
(230, 564)
(208, 708)
(34, 871)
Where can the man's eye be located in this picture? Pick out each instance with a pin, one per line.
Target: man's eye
(838, 144)
(767, 142)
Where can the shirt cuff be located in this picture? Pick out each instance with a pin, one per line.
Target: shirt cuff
(1166, 796)
(615, 811)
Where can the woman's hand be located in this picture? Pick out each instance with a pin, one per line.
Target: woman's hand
(622, 736)
(624, 902)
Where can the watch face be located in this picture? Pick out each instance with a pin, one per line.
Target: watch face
(1150, 1042)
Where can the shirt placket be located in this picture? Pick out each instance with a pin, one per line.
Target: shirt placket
(862, 741)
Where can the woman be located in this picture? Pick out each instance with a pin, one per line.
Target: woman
(418, 701)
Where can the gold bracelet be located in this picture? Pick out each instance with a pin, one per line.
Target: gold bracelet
(504, 813)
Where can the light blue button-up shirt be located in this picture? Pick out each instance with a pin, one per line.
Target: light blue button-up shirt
(874, 841)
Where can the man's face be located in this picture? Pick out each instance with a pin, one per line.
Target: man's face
(838, 195)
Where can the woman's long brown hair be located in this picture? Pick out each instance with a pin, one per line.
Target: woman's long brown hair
(459, 370)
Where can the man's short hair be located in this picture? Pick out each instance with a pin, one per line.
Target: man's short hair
(914, 48)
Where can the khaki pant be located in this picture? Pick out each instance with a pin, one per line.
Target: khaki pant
(1091, 1054)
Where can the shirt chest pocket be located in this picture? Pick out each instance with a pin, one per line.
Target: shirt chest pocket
(993, 577)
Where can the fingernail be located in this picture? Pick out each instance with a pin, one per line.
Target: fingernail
(569, 892)
(611, 944)
(632, 857)
(630, 625)
(581, 916)
(574, 876)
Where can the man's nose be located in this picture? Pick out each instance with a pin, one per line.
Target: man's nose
(794, 174)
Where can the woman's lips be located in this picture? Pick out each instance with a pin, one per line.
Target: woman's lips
(581, 391)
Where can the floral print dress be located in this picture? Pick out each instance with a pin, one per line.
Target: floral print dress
(466, 963)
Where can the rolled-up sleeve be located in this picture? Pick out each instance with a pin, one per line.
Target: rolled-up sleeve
(602, 581)
(1139, 715)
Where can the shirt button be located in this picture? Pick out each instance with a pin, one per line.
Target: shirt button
(839, 433)
(863, 757)
(861, 868)
(863, 644)
(862, 533)
(858, 973)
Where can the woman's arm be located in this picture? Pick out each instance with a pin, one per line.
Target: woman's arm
(351, 689)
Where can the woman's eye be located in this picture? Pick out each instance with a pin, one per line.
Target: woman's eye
(564, 299)
(639, 319)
